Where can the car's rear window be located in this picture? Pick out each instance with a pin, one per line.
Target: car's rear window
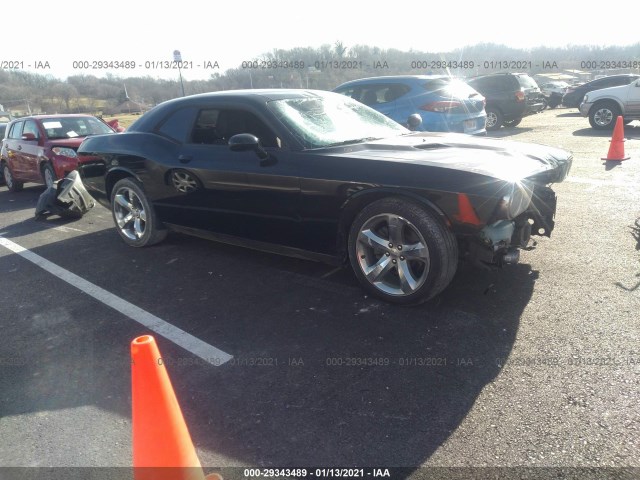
(526, 81)
(451, 87)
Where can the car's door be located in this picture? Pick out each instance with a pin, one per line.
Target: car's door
(31, 151)
(210, 187)
(633, 98)
(13, 149)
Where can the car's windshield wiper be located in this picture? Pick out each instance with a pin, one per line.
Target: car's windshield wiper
(352, 141)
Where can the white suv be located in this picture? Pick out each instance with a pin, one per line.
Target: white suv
(603, 106)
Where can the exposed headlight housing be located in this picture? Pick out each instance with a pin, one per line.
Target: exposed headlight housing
(514, 202)
(65, 152)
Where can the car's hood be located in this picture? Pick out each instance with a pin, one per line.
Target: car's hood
(620, 91)
(503, 159)
(66, 142)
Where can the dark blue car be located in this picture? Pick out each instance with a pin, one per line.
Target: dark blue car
(445, 104)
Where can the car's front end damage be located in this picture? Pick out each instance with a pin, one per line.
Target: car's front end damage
(526, 207)
(493, 194)
(499, 242)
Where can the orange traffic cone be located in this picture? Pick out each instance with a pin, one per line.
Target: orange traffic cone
(616, 149)
(162, 447)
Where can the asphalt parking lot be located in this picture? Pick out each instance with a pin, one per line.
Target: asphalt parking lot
(535, 365)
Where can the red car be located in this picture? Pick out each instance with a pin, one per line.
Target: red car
(42, 148)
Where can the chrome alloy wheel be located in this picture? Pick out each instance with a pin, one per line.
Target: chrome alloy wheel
(393, 254)
(130, 214)
(48, 177)
(8, 179)
(603, 116)
(492, 119)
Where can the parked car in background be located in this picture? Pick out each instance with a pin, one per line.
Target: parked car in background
(554, 87)
(42, 148)
(605, 105)
(509, 97)
(445, 104)
(5, 118)
(318, 175)
(575, 94)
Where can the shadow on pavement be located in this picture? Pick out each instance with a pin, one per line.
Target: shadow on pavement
(322, 375)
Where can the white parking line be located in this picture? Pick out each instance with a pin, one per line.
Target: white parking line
(185, 340)
(601, 183)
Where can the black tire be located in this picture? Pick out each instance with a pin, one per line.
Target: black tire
(48, 175)
(494, 119)
(12, 184)
(512, 123)
(545, 103)
(603, 115)
(133, 215)
(428, 267)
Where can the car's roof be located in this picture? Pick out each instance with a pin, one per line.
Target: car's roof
(395, 78)
(618, 75)
(498, 74)
(262, 94)
(254, 97)
(62, 115)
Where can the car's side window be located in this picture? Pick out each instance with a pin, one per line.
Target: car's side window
(16, 130)
(349, 92)
(31, 127)
(216, 126)
(379, 94)
(178, 125)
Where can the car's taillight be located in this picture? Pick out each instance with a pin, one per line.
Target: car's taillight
(443, 106)
(520, 96)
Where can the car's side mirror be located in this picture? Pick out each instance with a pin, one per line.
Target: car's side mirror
(28, 136)
(245, 141)
(414, 121)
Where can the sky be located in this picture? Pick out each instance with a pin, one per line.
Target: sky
(73, 35)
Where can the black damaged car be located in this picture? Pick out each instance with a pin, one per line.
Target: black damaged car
(317, 175)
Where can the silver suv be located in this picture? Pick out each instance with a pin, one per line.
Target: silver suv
(604, 106)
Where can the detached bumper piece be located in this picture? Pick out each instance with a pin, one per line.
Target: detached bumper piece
(67, 198)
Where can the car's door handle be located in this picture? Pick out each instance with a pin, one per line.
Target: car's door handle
(185, 158)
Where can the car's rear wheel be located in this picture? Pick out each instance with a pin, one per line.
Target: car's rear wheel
(48, 175)
(134, 216)
(512, 123)
(603, 115)
(545, 103)
(401, 252)
(494, 119)
(12, 184)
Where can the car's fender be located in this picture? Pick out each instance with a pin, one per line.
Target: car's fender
(357, 201)
(617, 94)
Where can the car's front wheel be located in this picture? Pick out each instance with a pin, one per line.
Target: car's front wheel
(134, 216)
(401, 252)
(48, 175)
(603, 115)
(12, 184)
(494, 119)
(512, 123)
